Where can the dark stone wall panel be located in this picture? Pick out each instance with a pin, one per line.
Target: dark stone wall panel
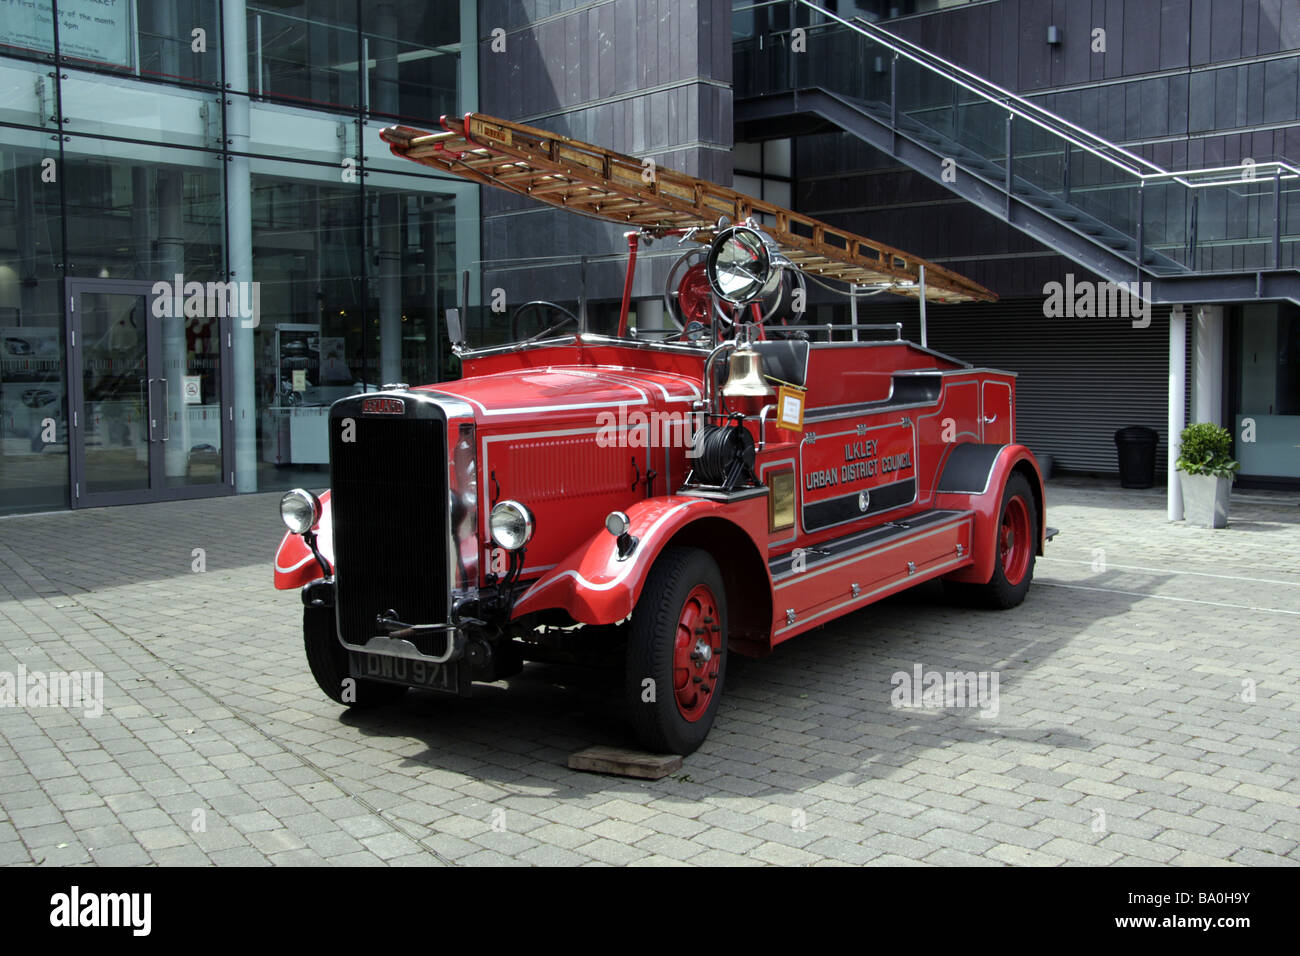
(584, 71)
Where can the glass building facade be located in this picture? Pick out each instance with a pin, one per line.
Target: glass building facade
(204, 242)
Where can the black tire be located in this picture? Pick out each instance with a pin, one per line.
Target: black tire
(329, 664)
(1000, 593)
(654, 710)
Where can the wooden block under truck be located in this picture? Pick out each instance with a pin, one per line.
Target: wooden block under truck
(668, 499)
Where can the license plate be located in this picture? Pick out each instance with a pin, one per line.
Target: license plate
(401, 670)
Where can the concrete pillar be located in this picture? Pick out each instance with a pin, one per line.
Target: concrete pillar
(468, 226)
(26, 183)
(650, 316)
(170, 197)
(165, 260)
(239, 230)
(165, 23)
(437, 330)
(1177, 377)
(385, 99)
(390, 288)
(469, 40)
(1207, 365)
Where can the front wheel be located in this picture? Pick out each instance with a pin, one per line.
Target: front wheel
(677, 652)
(329, 665)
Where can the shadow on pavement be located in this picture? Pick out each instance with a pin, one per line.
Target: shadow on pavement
(833, 684)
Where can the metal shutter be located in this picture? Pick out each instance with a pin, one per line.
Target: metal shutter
(1079, 379)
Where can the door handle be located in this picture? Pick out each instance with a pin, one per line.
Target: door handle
(990, 421)
(148, 393)
(167, 411)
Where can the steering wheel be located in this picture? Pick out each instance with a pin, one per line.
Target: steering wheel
(540, 304)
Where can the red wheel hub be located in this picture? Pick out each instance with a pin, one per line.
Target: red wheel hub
(1015, 544)
(694, 297)
(697, 653)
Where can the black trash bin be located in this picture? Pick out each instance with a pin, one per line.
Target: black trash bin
(1136, 447)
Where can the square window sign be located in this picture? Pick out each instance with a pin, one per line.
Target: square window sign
(192, 389)
(789, 408)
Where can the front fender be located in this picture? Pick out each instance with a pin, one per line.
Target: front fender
(967, 487)
(295, 565)
(593, 585)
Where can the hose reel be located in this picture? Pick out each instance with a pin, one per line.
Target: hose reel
(723, 455)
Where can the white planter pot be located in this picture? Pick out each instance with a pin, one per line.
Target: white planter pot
(1205, 500)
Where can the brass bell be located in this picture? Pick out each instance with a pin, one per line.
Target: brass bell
(745, 375)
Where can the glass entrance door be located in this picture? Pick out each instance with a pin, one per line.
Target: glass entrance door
(148, 388)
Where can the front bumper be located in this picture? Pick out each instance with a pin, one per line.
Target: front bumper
(438, 643)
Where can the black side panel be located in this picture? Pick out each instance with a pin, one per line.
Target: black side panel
(389, 503)
(830, 551)
(916, 389)
(910, 389)
(824, 514)
(968, 468)
(785, 359)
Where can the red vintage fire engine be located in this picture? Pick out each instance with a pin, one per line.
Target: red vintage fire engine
(674, 498)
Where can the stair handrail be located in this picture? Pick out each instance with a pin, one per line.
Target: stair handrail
(1071, 132)
(1142, 170)
(1032, 111)
(1033, 114)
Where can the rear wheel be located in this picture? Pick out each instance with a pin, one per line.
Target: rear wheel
(1016, 549)
(677, 652)
(329, 665)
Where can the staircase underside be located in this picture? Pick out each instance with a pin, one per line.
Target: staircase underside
(1056, 224)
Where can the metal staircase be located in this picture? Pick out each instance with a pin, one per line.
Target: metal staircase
(1226, 234)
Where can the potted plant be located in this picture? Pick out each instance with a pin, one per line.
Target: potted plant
(1207, 466)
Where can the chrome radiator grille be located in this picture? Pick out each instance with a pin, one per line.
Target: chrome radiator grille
(389, 504)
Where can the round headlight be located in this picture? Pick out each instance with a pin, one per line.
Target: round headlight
(511, 525)
(299, 510)
(617, 523)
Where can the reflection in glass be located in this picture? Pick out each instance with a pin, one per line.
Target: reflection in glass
(308, 262)
(304, 53)
(33, 416)
(134, 212)
(191, 372)
(114, 371)
(1267, 345)
(411, 59)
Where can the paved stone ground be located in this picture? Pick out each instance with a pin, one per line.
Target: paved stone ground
(1126, 731)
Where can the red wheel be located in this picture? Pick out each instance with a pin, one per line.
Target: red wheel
(1016, 544)
(677, 652)
(695, 652)
(1015, 539)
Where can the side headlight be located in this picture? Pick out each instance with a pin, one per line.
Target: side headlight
(617, 523)
(299, 510)
(511, 525)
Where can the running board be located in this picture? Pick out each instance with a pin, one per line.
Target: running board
(813, 585)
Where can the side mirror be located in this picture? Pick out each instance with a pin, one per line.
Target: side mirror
(454, 330)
